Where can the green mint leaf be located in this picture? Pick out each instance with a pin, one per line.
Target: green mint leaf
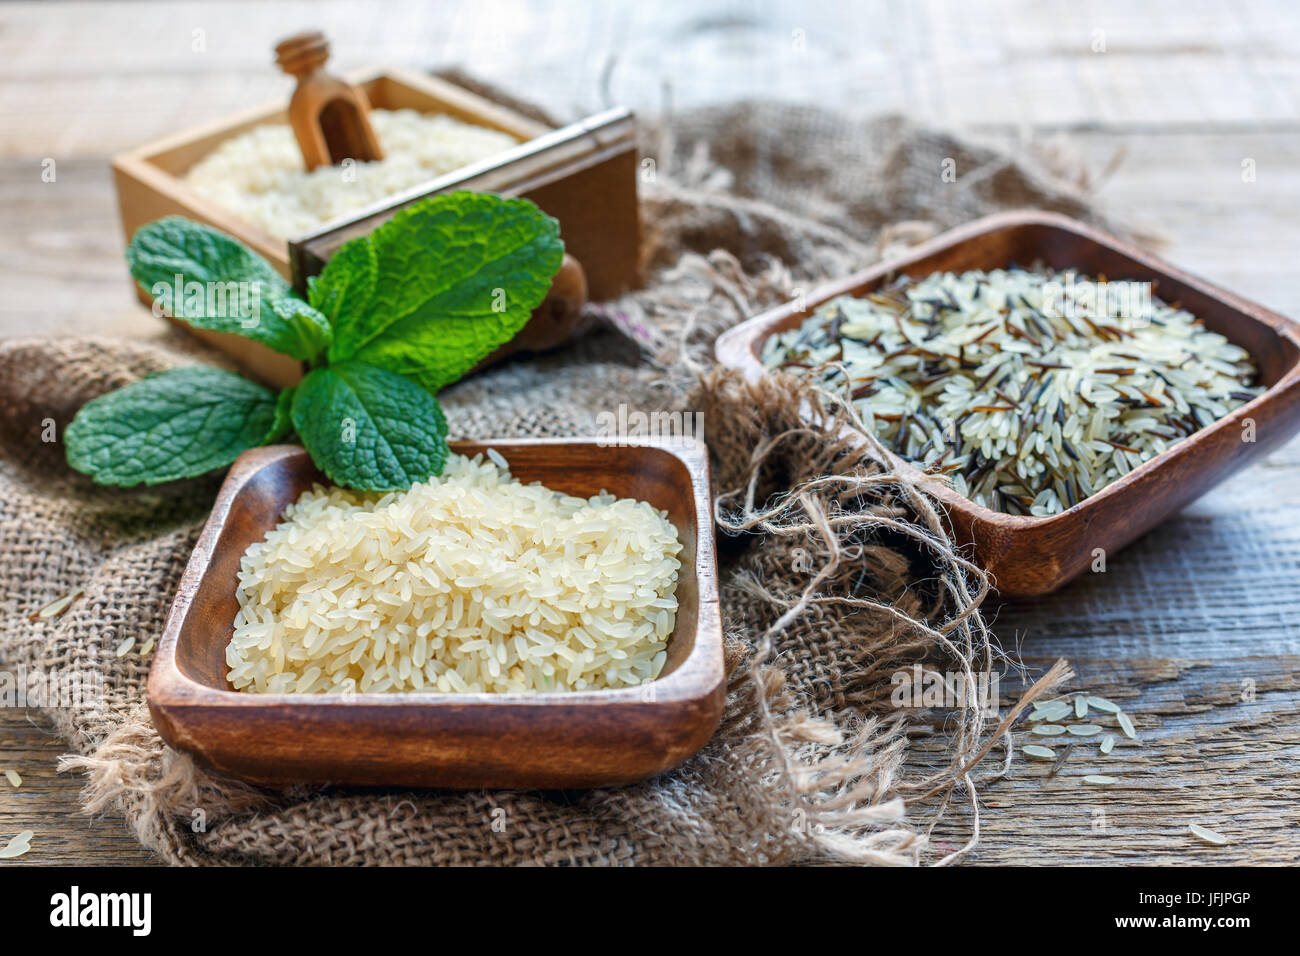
(455, 276)
(210, 281)
(346, 286)
(178, 424)
(307, 332)
(282, 424)
(368, 428)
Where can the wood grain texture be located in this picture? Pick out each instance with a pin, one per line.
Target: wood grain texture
(1033, 556)
(1218, 742)
(1181, 95)
(47, 803)
(516, 741)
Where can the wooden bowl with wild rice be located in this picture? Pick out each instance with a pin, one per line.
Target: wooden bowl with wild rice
(579, 735)
(1059, 390)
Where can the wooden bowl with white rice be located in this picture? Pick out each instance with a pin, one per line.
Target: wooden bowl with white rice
(321, 636)
(1073, 437)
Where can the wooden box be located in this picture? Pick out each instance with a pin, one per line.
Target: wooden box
(583, 174)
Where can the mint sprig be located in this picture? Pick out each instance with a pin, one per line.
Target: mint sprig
(345, 289)
(210, 281)
(440, 286)
(395, 316)
(178, 424)
(282, 423)
(366, 427)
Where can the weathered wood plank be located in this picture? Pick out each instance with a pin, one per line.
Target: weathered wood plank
(95, 78)
(1190, 90)
(47, 803)
(1218, 744)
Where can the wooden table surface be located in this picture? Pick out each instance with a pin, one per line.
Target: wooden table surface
(1195, 629)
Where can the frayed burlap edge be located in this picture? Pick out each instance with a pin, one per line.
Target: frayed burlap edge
(817, 536)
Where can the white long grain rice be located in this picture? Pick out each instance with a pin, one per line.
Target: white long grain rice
(469, 582)
(1206, 835)
(1031, 390)
(17, 845)
(259, 177)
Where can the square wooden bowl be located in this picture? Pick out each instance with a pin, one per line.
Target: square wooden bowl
(583, 174)
(574, 739)
(1031, 556)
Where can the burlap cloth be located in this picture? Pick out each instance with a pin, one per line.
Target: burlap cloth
(834, 574)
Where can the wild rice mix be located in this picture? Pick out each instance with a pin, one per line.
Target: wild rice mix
(1030, 389)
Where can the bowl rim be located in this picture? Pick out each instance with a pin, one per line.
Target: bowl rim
(696, 678)
(735, 349)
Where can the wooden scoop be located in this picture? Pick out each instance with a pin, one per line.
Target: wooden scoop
(331, 121)
(330, 118)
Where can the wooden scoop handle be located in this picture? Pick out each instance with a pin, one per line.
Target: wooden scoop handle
(330, 118)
